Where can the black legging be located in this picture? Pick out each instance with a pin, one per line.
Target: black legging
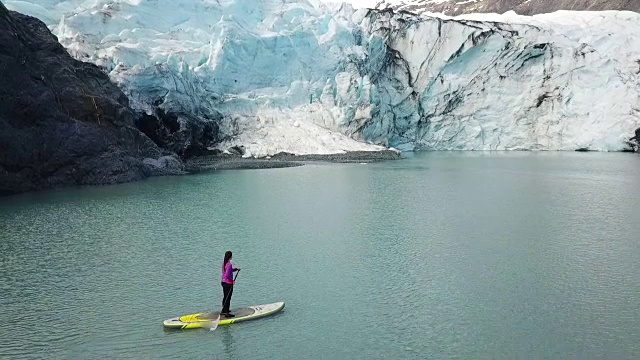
(227, 291)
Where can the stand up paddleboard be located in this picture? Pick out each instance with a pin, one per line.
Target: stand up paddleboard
(203, 320)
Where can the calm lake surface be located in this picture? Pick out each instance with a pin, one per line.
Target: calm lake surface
(440, 255)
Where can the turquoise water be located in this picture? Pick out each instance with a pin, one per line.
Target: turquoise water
(441, 255)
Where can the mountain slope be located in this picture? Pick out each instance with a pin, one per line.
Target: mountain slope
(523, 7)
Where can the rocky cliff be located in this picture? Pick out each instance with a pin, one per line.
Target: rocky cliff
(62, 121)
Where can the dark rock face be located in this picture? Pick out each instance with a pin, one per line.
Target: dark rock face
(184, 134)
(635, 141)
(237, 150)
(62, 122)
(523, 7)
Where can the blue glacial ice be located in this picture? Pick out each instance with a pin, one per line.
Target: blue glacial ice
(304, 76)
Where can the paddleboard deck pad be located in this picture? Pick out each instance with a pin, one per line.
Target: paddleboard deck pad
(204, 320)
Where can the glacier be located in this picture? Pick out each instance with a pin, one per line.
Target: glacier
(305, 76)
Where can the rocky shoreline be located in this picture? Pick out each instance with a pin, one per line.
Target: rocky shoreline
(282, 160)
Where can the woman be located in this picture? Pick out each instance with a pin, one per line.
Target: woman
(227, 283)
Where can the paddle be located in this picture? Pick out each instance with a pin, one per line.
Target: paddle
(213, 325)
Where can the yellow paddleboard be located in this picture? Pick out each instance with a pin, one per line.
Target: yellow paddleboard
(204, 320)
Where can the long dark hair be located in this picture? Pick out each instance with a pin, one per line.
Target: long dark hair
(227, 257)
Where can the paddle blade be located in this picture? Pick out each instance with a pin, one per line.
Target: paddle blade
(214, 324)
